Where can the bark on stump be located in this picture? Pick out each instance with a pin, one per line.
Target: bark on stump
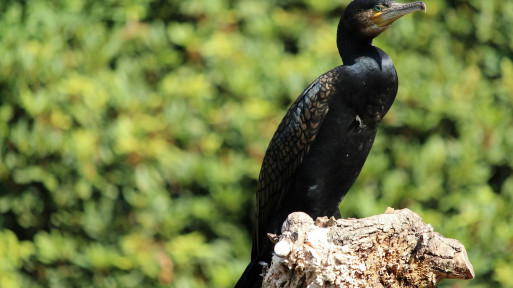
(395, 249)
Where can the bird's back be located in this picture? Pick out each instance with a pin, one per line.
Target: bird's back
(290, 144)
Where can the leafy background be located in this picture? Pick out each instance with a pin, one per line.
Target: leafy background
(132, 132)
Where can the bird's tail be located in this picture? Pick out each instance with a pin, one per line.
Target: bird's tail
(252, 276)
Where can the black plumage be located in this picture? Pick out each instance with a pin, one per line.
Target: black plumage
(320, 146)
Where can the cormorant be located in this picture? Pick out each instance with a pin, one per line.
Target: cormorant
(321, 144)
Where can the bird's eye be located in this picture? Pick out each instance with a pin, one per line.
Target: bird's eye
(377, 8)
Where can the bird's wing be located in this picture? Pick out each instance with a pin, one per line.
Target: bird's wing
(289, 145)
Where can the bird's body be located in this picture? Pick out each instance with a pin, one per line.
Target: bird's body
(322, 143)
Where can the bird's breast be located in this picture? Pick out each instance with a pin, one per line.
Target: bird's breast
(369, 88)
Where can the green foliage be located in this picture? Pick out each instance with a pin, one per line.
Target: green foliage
(132, 133)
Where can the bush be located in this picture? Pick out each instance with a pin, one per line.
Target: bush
(132, 133)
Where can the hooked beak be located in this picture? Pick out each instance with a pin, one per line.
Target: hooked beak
(388, 15)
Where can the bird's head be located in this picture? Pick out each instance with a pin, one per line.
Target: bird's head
(369, 18)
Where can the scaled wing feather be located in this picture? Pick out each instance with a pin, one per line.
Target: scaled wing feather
(290, 143)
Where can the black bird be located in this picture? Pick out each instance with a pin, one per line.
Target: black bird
(321, 144)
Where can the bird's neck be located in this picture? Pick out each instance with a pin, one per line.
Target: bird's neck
(351, 46)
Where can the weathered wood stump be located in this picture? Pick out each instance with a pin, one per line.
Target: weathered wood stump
(395, 249)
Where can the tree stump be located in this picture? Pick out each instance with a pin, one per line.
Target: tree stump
(395, 249)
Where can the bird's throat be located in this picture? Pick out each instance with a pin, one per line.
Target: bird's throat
(351, 46)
